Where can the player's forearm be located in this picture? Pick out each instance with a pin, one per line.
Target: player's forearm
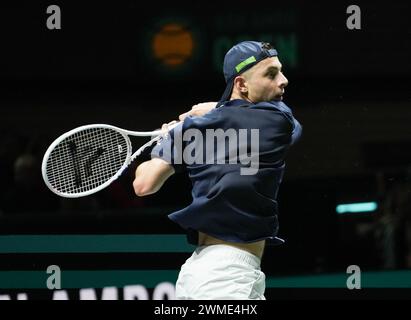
(150, 176)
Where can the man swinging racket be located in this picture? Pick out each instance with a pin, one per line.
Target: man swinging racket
(234, 212)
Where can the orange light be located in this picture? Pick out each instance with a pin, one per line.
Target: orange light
(173, 45)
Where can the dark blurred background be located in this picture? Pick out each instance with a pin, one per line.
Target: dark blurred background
(136, 67)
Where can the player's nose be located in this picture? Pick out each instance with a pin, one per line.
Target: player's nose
(283, 81)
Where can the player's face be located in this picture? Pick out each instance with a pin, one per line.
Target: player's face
(266, 82)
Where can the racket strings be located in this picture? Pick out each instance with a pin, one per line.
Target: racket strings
(86, 160)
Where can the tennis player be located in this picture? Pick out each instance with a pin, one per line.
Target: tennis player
(233, 215)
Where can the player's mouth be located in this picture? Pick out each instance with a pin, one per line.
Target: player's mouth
(279, 96)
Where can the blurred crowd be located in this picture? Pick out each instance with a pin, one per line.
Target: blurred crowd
(392, 228)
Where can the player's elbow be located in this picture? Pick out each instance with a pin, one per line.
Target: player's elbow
(142, 189)
(150, 176)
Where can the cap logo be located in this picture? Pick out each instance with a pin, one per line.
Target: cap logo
(246, 62)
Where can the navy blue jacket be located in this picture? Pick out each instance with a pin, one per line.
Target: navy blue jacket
(227, 204)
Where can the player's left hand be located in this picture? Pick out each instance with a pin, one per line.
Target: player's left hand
(198, 110)
(165, 127)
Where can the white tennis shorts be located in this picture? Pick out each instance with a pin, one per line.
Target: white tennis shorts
(221, 272)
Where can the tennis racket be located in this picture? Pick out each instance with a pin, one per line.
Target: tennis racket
(87, 159)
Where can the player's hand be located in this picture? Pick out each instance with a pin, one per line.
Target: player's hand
(198, 110)
(166, 126)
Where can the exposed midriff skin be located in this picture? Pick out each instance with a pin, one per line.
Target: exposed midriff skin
(256, 248)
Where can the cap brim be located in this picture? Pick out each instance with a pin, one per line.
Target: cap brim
(227, 92)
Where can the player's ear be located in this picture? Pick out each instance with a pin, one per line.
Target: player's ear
(241, 85)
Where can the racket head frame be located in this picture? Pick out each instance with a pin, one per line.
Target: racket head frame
(156, 135)
(68, 134)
